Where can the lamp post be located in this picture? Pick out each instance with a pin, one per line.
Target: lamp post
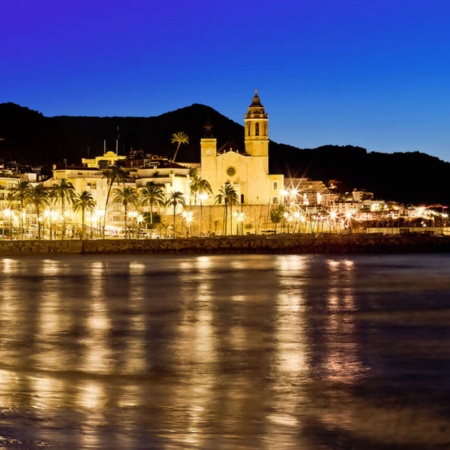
(333, 216)
(284, 193)
(8, 214)
(240, 217)
(348, 216)
(203, 196)
(188, 216)
(98, 217)
(133, 215)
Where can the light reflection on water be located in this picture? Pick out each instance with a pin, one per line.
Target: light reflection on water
(242, 352)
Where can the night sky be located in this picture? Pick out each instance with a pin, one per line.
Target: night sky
(369, 73)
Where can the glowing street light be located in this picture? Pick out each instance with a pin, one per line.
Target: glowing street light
(240, 217)
(188, 217)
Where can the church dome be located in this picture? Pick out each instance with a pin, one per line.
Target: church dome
(256, 103)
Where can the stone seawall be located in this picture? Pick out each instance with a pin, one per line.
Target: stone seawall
(251, 244)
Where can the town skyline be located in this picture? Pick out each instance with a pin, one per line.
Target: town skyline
(339, 73)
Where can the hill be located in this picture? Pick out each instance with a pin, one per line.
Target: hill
(31, 138)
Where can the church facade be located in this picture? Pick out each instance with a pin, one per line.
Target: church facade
(247, 168)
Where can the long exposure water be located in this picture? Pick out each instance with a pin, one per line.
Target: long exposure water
(307, 352)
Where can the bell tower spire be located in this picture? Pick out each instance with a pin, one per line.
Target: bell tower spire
(256, 122)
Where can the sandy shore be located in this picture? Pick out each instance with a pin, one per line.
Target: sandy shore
(250, 244)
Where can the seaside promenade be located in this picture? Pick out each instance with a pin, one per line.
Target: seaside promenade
(250, 244)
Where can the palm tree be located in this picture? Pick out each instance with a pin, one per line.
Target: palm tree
(63, 193)
(228, 196)
(175, 199)
(199, 187)
(193, 182)
(277, 214)
(85, 202)
(152, 195)
(38, 197)
(114, 173)
(126, 196)
(179, 138)
(20, 193)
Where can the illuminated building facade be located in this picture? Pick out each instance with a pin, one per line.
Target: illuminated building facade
(245, 168)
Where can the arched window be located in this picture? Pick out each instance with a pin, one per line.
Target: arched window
(256, 129)
(275, 201)
(275, 185)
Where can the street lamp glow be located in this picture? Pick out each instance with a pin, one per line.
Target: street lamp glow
(188, 217)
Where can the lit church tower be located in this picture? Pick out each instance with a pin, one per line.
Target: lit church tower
(247, 170)
(256, 122)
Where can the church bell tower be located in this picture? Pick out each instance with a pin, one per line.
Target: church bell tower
(256, 122)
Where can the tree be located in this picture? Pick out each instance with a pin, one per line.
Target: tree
(200, 188)
(152, 195)
(83, 202)
(175, 198)
(198, 185)
(179, 138)
(19, 193)
(39, 198)
(114, 173)
(63, 193)
(228, 196)
(126, 196)
(276, 215)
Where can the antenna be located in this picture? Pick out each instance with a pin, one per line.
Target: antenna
(117, 141)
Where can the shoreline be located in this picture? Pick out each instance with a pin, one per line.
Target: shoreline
(249, 244)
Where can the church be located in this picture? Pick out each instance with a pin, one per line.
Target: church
(247, 168)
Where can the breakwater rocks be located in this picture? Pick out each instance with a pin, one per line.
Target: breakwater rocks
(250, 244)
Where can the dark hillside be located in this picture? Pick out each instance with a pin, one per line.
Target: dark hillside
(151, 134)
(31, 138)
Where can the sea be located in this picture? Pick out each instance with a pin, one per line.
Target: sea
(273, 352)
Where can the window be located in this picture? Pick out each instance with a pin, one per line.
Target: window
(231, 171)
(275, 185)
(256, 129)
(275, 201)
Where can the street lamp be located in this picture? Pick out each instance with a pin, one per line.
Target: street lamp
(284, 193)
(98, 217)
(203, 196)
(188, 216)
(240, 217)
(293, 193)
(135, 216)
(8, 214)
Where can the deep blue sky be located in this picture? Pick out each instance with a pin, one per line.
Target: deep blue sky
(374, 73)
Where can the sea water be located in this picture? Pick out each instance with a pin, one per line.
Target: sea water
(306, 352)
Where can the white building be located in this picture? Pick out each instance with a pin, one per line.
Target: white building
(245, 168)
